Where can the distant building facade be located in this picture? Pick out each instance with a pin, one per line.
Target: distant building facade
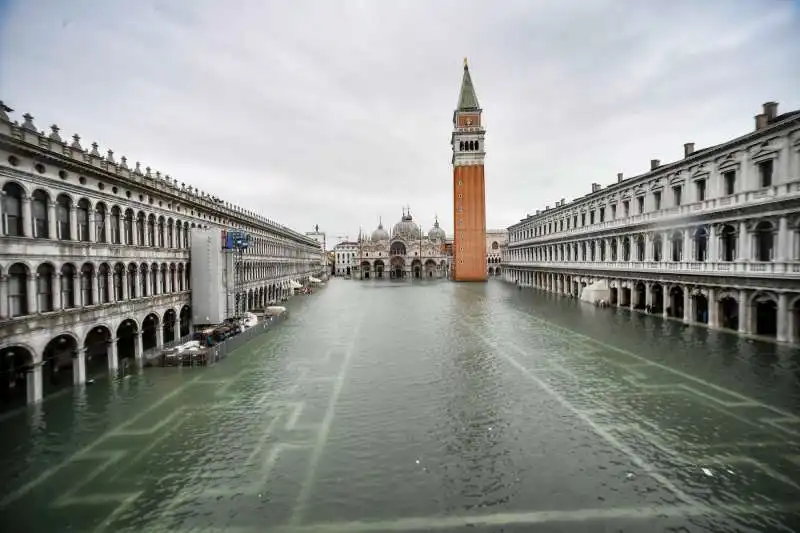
(711, 239)
(496, 241)
(345, 258)
(405, 253)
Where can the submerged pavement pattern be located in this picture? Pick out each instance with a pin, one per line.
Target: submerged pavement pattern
(426, 407)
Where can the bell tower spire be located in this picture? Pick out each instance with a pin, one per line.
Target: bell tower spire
(469, 196)
(467, 99)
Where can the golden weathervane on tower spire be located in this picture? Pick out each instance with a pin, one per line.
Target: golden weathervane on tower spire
(465, 62)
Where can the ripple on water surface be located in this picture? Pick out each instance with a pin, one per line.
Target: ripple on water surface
(423, 405)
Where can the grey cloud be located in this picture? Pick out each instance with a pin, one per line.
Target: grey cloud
(332, 113)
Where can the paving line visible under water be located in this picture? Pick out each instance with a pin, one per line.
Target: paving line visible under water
(308, 483)
(430, 523)
(635, 458)
(30, 485)
(646, 361)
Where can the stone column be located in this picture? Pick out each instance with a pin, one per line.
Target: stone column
(783, 248)
(159, 336)
(96, 287)
(33, 306)
(52, 227)
(743, 248)
(783, 317)
(57, 303)
(139, 348)
(688, 248)
(92, 226)
(713, 243)
(73, 223)
(648, 293)
(713, 319)
(34, 384)
(27, 217)
(688, 301)
(79, 366)
(157, 289)
(3, 296)
(137, 280)
(113, 358)
(124, 283)
(744, 314)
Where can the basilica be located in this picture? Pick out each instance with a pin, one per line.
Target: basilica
(404, 254)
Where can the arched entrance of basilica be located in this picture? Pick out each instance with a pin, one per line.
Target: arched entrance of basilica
(397, 270)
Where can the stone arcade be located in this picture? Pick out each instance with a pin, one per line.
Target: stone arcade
(94, 259)
(407, 253)
(712, 239)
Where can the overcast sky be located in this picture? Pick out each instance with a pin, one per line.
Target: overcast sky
(333, 113)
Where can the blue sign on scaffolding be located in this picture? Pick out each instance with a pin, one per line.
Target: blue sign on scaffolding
(236, 239)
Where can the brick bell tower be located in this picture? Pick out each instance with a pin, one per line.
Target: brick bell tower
(469, 196)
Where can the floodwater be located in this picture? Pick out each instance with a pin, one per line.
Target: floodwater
(396, 406)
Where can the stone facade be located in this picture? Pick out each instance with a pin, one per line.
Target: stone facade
(95, 259)
(345, 258)
(711, 239)
(496, 240)
(407, 253)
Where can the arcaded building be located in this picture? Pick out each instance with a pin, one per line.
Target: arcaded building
(496, 241)
(713, 238)
(469, 189)
(408, 252)
(95, 263)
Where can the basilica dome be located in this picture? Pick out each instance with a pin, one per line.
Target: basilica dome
(436, 233)
(380, 234)
(406, 228)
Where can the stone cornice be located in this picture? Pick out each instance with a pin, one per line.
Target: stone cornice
(779, 205)
(84, 163)
(710, 154)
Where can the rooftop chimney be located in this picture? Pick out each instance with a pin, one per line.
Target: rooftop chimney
(654, 164)
(688, 149)
(761, 121)
(595, 187)
(563, 201)
(619, 177)
(771, 110)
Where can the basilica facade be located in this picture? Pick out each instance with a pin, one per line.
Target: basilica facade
(405, 253)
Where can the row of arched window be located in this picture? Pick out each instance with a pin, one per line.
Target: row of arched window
(257, 271)
(49, 289)
(39, 217)
(667, 246)
(469, 146)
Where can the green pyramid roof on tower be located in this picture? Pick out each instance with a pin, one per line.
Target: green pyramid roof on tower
(467, 99)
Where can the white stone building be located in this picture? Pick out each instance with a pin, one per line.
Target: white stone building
(95, 259)
(321, 238)
(496, 240)
(713, 238)
(408, 252)
(345, 256)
